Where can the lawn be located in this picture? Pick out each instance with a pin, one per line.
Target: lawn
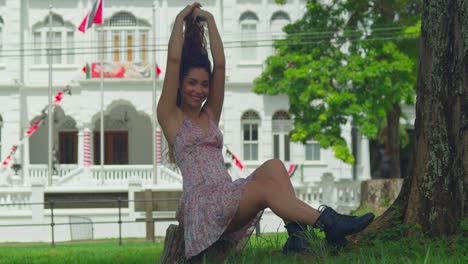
(386, 247)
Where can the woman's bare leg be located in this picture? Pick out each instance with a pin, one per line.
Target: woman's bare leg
(274, 170)
(269, 190)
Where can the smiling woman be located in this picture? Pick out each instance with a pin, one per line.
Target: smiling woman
(213, 208)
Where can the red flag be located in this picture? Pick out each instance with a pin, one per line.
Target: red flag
(236, 160)
(292, 169)
(93, 17)
(33, 128)
(58, 97)
(158, 70)
(238, 163)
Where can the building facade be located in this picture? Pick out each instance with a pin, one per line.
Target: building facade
(255, 127)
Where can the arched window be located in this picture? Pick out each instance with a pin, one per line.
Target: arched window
(126, 38)
(248, 27)
(250, 122)
(278, 20)
(62, 41)
(1, 39)
(281, 125)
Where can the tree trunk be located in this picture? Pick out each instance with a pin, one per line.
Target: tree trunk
(393, 140)
(434, 195)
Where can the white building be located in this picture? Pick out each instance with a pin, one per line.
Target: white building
(255, 126)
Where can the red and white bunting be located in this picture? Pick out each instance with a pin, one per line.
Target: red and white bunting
(35, 126)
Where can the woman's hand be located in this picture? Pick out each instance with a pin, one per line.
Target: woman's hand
(188, 10)
(200, 14)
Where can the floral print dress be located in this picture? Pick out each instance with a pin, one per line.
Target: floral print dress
(210, 197)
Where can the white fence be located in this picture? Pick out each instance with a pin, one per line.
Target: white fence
(111, 175)
(343, 195)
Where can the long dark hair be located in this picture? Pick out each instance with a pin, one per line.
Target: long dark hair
(194, 55)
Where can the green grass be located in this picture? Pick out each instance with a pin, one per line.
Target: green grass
(389, 246)
(81, 252)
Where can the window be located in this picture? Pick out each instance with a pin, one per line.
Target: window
(278, 20)
(248, 27)
(312, 151)
(115, 147)
(62, 41)
(1, 39)
(68, 147)
(250, 122)
(70, 48)
(281, 125)
(56, 47)
(125, 38)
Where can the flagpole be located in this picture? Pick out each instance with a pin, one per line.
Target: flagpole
(155, 136)
(50, 123)
(102, 106)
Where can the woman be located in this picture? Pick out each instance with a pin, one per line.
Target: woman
(212, 206)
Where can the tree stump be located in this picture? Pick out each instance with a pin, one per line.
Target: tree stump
(174, 249)
(174, 246)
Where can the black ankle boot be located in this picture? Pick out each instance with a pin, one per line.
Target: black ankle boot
(336, 226)
(297, 238)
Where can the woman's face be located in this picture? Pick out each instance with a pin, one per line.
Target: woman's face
(195, 88)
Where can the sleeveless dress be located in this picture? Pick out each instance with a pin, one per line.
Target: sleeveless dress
(210, 197)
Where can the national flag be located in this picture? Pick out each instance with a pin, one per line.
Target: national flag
(93, 17)
(236, 160)
(292, 169)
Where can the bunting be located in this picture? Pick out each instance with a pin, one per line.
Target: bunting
(35, 125)
(236, 160)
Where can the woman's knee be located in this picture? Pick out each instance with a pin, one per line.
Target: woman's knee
(271, 170)
(277, 169)
(274, 164)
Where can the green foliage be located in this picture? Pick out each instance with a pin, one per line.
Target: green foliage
(464, 224)
(343, 61)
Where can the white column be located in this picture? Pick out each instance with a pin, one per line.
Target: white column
(328, 189)
(265, 22)
(365, 159)
(164, 21)
(37, 196)
(134, 185)
(10, 135)
(81, 150)
(26, 161)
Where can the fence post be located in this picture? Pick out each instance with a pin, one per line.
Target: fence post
(52, 221)
(149, 215)
(120, 221)
(134, 185)
(328, 189)
(37, 197)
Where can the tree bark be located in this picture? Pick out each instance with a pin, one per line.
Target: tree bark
(434, 195)
(393, 140)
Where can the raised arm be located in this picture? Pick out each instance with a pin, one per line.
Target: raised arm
(169, 115)
(214, 103)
